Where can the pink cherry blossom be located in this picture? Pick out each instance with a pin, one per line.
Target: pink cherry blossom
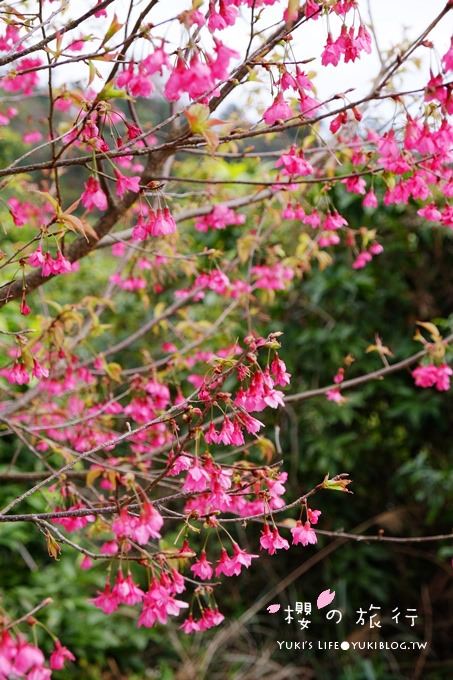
(331, 53)
(126, 591)
(25, 83)
(189, 625)
(370, 200)
(106, 600)
(431, 375)
(430, 212)
(124, 184)
(59, 656)
(294, 163)
(278, 112)
(335, 395)
(202, 568)
(210, 618)
(272, 541)
(93, 196)
(197, 479)
(159, 604)
(304, 534)
(224, 17)
(20, 211)
(274, 277)
(219, 218)
(279, 372)
(220, 66)
(313, 515)
(32, 137)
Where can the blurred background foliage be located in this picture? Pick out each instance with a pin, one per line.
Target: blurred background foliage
(394, 440)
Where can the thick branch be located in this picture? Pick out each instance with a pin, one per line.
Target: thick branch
(83, 245)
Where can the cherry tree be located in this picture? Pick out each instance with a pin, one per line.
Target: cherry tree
(129, 179)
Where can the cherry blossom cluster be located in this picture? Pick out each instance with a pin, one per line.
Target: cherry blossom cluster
(209, 489)
(220, 217)
(20, 658)
(431, 375)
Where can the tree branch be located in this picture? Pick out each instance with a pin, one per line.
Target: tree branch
(361, 379)
(83, 245)
(45, 41)
(185, 215)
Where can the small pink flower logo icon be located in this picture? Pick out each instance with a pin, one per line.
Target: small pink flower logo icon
(325, 598)
(273, 608)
